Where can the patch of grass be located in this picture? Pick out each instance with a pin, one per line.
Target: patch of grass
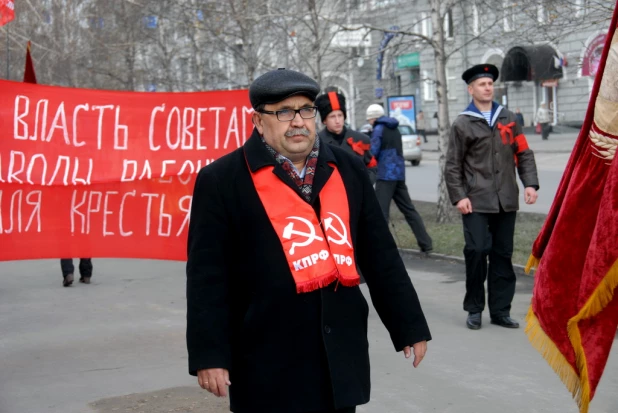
(448, 238)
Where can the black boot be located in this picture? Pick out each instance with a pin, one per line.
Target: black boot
(67, 280)
(474, 321)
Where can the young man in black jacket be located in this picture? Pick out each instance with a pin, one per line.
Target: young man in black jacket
(332, 108)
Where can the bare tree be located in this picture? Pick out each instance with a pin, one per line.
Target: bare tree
(317, 24)
(531, 19)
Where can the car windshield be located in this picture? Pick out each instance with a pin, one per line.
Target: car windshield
(406, 130)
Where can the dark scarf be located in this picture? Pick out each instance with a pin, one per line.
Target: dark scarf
(305, 185)
(339, 137)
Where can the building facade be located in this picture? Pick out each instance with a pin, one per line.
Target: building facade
(547, 51)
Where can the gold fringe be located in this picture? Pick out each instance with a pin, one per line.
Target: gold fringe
(602, 296)
(578, 385)
(533, 262)
(556, 360)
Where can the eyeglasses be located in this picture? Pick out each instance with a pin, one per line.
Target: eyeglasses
(286, 115)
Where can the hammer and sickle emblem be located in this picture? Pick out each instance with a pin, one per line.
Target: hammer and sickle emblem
(310, 236)
(343, 236)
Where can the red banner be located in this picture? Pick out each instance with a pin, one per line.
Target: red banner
(7, 11)
(90, 173)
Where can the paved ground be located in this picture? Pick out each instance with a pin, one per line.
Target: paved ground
(118, 346)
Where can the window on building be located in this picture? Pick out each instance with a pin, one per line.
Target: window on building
(426, 27)
(95, 22)
(220, 61)
(541, 13)
(418, 25)
(429, 87)
(47, 17)
(378, 4)
(451, 83)
(231, 63)
(509, 15)
(151, 22)
(184, 67)
(581, 7)
(273, 54)
(448, 25)
(476, 20)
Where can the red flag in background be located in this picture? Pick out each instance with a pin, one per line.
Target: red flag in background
(7, 11)
(29, 75)
(573, 317)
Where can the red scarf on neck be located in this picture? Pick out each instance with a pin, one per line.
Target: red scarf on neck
(318, 252)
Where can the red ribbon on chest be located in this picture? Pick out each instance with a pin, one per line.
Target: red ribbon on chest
(506, 132)
(359, 147)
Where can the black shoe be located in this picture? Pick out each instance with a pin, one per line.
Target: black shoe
(67, 280)
(474, 321)
(426, 253)
(84, 279)
(506, 321)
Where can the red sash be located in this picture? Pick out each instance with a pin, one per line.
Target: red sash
(317, 254)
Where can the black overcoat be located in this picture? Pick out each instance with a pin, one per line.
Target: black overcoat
(327, 136)
(288, 352)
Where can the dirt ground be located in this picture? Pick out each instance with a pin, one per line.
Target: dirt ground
(173, 400)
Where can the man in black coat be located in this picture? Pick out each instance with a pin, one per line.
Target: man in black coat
(332, 108)
(274, 311)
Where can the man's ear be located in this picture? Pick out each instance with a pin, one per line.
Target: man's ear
(257, 121)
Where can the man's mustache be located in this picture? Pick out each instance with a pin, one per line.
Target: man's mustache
(297, 131)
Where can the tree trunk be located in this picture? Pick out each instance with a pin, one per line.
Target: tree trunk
(444, 205)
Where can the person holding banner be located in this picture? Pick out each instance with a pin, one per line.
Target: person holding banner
(332, 108)
(277, 227)
(487, 149)
(85, 271)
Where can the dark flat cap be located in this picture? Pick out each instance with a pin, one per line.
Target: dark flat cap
(478, 71)
(329, 102)
(280, 84)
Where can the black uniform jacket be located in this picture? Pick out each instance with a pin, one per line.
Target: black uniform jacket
(481, 167)
(342, 141)
(287, 352)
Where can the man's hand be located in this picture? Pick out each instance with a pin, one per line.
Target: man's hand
(420, 349)
(530, 195)
(214, 380)
(464, 206)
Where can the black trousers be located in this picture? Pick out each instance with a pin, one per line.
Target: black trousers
(422, 133)
(85, 267)
(545, 130)
(489, 235)
(346, 410)
(398, 192)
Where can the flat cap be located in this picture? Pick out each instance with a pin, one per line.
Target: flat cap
(280, 84)
(478, 71)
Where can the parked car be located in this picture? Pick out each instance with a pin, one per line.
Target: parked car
(412, 150)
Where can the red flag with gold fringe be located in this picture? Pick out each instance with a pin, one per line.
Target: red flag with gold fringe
(573, 316)
(29, 74)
